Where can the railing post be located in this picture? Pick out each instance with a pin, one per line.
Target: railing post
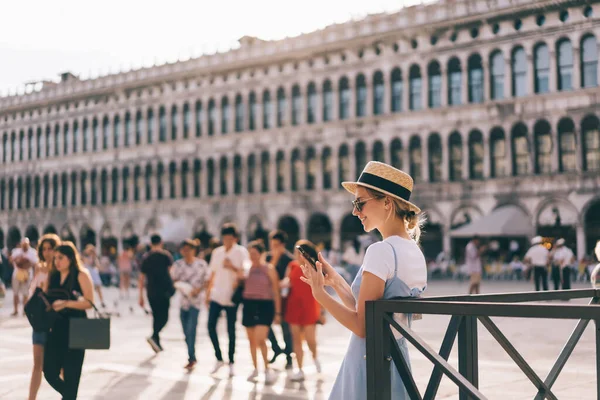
(468, 363)
(379, 383)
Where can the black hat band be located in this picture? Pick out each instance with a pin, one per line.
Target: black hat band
(384, 184)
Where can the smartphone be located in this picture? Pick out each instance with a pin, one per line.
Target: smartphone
(308, 258)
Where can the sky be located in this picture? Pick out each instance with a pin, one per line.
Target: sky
(39, 39)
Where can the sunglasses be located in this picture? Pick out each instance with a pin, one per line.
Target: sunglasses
(359, 203)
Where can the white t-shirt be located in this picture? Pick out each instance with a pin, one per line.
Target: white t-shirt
(563, 256)
(473, 259)
(412, 268)
(224, 279)
(30, 254)
(538, 255)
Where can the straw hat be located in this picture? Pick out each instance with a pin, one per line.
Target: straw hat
(387, 180)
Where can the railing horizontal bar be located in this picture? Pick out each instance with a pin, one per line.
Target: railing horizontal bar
(435, 358)
(516, 356)
(552, 311)
(519, 297)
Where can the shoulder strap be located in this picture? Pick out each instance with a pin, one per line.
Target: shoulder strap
(395, 259)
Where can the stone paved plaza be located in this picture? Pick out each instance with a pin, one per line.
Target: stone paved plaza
(131, 371)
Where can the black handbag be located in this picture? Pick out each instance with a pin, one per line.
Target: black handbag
(38, 309)
(238, 294)
(90, 333)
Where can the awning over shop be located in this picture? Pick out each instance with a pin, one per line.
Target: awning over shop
(505, 221)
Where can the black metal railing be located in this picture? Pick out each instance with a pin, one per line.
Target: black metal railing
(465, 311)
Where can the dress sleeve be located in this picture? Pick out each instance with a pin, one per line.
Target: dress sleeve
(379, 260)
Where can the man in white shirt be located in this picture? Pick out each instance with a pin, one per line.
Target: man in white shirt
(473, 264)
(23, 259)
(225, 263)
(563, 258)
(538, 257)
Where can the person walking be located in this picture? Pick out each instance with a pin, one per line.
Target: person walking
(473, 264)
(47, 245)
(125, 264)
(155, 275)
(190, 277)
(564, 258)
(23, 258)
(225, 263)
(280, 258)
(303, 311)
(70, 277)
(392, 267)
(538, 257)
(92, 263)
(262, 306)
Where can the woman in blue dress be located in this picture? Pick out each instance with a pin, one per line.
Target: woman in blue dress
(393, 267)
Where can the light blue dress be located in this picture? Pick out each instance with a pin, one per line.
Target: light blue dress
(351, 382)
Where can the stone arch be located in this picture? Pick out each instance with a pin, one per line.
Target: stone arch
(33, 234)
(350, 228)
(108, 242)
(87, 236)
(66, 233)
(320, 230)
(590, 217)
(129, 237)
(13, 238)
(464, 214)
(201, 232)
(289, 224)
(557, 218)
(50, 229)
(432, 233)
(255, 230)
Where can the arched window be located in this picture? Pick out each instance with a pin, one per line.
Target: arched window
(49, 137)
(590, 132)
(415, 88)
(497, 75)
(64, 190)
(83, 188)
(224, 175)
(543, 148)
(454, 82)
(160, 172)
(296, 166)
(224, 115)
(475, 72)
(174, 122)
(73, 190)
(138, 128)
(11, 193)
(267, 109)
(265, 167)
(252, 112)
(296, 105)
(311, 168)
(150, 125)
(212, 117)
(128, 129)
(197, 180)
(397, 89)
(86, 133)
(20, 192)
(187, 117)
(30, 142)
(361, 96)
(416, 158)
(251, 172)
(37, 191)
(476, 155)
(199, 118)
(125, 197)
(435, 84)
(589, 62)
(396, 153)
(344, 163)
(2, 190)
(541, 60)
(311, 103)
(105, 133)
(28, 192)
(38, 145)
(434, 145)
(239, 113)
(360, 157)
(327, 101)
(564, 56)
(378, 151)
(237, 174)
(116, 131)
(56, 140)
(162, 125)
(327, 168)
(455, 151)
(137, 176)
(281, 107)
(519, 72)
(520, 148)
(115, 185)
(4, 148)
(281, 168)
(344, 98)
(210, 177)
(567, 146)
(148, 182)
(172, 180)
(93, 186)
(66, 141)
(378, 93)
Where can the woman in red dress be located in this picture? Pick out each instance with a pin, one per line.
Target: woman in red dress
(302, 310)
